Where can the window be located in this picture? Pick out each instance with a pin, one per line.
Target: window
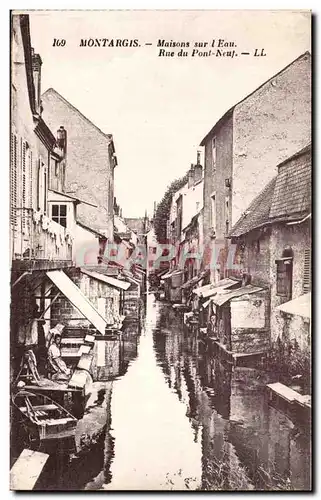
(24, 181)
(42, 187)
(45, 193)
(214, 152)
(227, 214)
(13, 180)
(179, 208)
(30, 175)
(307, 271)
(213, 212)
(284, 268)
(59, 214)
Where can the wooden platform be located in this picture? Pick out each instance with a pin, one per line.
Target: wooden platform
(288, 394)
(27, 469)
(237, 358)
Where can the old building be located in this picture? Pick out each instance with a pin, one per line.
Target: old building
(185, 233)
(88, 147)
(37, 163)
(38, 243)
(139, 226)
(43, 227)
(245, 145)
(273, 239)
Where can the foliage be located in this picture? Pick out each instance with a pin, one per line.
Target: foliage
(163, 208)
(224, 474)
(289, 361)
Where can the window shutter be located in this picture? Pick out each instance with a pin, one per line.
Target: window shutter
(30, 179)
(307, 271)
(39, 185)
(13, 180)
(23, 162)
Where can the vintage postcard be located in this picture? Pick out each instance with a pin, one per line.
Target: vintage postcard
(160, 250)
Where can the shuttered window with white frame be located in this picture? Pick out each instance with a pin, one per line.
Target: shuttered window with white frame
(30, 176)
(307, 271)
(24, 182)
(13, 179)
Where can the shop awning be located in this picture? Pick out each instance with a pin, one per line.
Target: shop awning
(73, 293)
(130, 277)
(214, 288)
(170, 274)
(193, 281)
(122, 285)
(299, 307)
(226, 295)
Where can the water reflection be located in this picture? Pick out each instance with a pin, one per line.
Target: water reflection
(172, 417)
(246, 444)
(155, 446)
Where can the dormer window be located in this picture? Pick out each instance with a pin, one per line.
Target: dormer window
(59, 214)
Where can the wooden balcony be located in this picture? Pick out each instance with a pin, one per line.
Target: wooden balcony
(37, 242)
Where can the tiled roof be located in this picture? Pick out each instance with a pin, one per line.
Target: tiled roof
(286, 197)
(137, 225)
(292, 193)
(103, 269)
(257, 213)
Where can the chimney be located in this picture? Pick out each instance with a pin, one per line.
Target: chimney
(116, 207)
(191, 176)
(36, 69)
(198, 169)
(62, 139)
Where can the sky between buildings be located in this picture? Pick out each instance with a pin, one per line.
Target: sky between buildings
(159, 109)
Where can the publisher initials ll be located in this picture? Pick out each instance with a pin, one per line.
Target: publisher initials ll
(257, 53)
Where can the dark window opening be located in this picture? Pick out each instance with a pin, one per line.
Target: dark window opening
(59, 214)
(284, 274)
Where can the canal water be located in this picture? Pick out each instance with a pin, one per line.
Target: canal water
(167, 415)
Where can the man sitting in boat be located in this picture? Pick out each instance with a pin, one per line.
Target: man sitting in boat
(55, 360)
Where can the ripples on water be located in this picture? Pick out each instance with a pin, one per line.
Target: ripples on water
(181, 420)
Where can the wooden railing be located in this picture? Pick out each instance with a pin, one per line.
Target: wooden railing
(36, 237)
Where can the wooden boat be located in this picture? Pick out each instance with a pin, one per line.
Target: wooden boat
(43, 420)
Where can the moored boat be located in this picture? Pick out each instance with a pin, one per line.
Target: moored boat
(44, 422)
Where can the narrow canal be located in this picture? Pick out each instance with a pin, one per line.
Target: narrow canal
(175, 418)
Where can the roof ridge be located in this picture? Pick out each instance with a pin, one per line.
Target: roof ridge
(301, 56)
(256, 203)
(298, 153)
(52, 90)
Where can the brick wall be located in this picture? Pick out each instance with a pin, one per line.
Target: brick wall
(87, 151)
(268, 127)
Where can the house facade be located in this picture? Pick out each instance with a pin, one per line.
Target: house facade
(45, 237)
(185, 233)
(245, 145)
(39, 243)
(88, 148)
(37, 162)
(273, 239)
